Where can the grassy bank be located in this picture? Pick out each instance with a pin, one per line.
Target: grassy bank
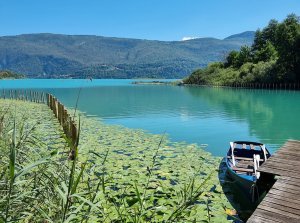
(120, 175)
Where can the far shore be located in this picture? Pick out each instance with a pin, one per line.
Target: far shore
(158, 82)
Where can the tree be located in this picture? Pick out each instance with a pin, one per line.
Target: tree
(231, 60)
(244, 56)
(268, 34)
(265, 53)
(288, 35)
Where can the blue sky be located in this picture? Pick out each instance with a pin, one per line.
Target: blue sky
(143, 19)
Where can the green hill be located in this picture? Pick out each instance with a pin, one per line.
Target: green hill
(80, 56)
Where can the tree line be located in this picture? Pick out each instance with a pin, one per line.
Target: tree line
(274, 57)
(5, 74)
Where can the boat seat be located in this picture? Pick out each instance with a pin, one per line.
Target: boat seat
(242, 169)
(243, 158)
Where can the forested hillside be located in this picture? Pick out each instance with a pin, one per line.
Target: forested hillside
(79, 56)
(9, 75)
(274, 57)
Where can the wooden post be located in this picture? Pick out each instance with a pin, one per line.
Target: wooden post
(52, 101)
(48, 99)
(65, 121)
(60, 114)
(55, 106)
(74, 133)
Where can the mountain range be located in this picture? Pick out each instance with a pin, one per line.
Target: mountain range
(85, 56)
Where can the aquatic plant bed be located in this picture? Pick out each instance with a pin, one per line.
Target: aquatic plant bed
(119, 175)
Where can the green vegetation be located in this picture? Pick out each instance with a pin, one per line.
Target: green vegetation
(118, 175)
(274, 57)
(71, 56)
(9, 75)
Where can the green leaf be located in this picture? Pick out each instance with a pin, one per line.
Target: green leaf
(31, 166)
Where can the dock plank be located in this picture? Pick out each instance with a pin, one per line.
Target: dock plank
(283, 193)
(289, 188)
(290, 179)
(282, 203)
(262, 215)
(278, 172)
(283, 199)
(287, 212)
(260, 219)
(286, 202)
(286, 161)
(283, 167)
(285, 156)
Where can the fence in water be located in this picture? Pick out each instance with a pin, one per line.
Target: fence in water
(60, 112)
(270, 86)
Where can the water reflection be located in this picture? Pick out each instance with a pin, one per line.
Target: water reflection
(272, 116)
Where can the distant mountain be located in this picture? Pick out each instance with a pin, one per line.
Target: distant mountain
(244, 35)
(81, 56)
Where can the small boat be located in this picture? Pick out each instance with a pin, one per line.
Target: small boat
(243, 159)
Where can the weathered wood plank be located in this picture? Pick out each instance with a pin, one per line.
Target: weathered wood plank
(288, 212)
(284, 167)
(255, 218)
(282, 202)
(263, 215)
(284, 156)
(289, 182)
(279, 172)
(283, 199)
(242, 158)
(290, 179)
(290, 188)
(288, 152)
(243, 169)
(285, 194)
(284, 160)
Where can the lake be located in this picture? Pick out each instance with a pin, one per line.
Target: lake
(202, 115)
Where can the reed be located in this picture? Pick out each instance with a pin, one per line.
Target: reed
(12, 164)
(189, 194)
(38, 183)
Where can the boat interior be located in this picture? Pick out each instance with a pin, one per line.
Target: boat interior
(246, 157)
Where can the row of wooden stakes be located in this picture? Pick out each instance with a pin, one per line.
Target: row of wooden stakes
(271, 86)
(24, 95)
(65, 119)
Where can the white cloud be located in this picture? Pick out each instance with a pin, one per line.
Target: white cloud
(189, 38)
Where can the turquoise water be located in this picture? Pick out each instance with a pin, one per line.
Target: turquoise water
(202, 115)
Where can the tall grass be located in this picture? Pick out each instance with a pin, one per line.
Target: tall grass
(39, 183)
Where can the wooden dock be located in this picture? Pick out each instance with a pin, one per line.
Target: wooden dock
(282, 203)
